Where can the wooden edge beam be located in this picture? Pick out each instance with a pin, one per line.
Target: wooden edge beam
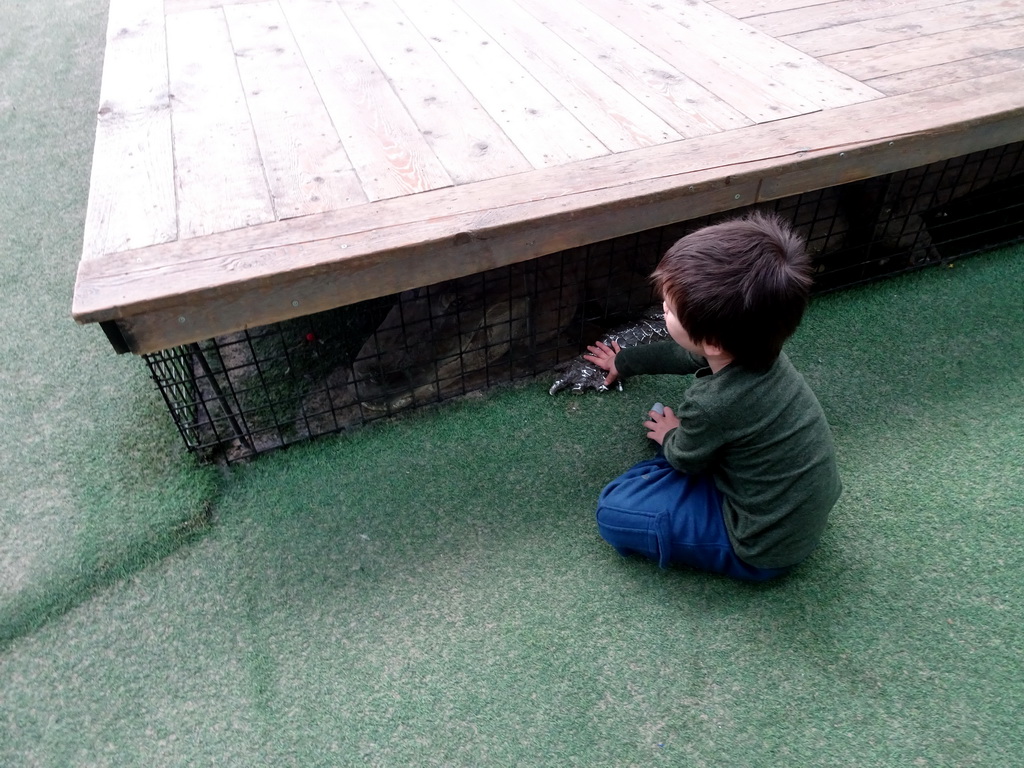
(168, 295)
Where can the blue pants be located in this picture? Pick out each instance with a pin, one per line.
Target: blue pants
(672, 518)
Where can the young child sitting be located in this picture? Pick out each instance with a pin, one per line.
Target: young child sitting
(746, 475)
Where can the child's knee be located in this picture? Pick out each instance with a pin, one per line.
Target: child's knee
(629, 532)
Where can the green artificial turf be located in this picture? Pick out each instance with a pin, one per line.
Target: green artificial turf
(433, 591)
(93, 484)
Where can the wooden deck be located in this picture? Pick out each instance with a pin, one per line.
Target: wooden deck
(260, 160)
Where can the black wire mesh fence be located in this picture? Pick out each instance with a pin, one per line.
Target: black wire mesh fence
(245, 393)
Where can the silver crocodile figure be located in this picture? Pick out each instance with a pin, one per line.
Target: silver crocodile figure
(582, 375)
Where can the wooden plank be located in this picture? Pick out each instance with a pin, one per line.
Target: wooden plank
(183, 6)
(380, 137)
(303, 158)
(427, 262)
(465, 139)
(906, 26)
(777, 21)
(754, 93)
(742, 9)
(612, 114)
(544, 131)
(968, 104)
(266, 273)
(218, 170)
(803, 74)
(954, 71)
(927, 51)
(687, 106)
(989, 98)
(868, 161)
(131, 193)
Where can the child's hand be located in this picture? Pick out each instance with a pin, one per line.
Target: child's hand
(603, 357)
(659, 424)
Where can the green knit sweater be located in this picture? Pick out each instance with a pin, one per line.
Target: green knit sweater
(764, 439)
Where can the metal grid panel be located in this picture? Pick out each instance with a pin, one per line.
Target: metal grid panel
(245, 393)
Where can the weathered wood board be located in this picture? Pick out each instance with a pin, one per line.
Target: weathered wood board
(258, 160)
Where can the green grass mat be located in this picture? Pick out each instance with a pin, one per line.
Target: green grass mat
(433, 591)
(93, 483)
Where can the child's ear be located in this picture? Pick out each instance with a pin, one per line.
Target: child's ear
(711, 348)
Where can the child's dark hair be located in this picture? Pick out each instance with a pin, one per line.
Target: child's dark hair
(742, 284)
